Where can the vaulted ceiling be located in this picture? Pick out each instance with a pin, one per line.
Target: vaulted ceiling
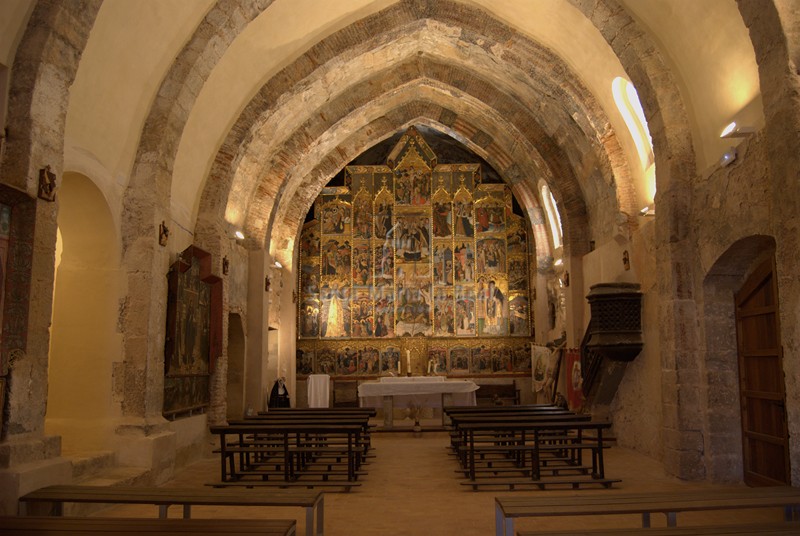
(253, 105)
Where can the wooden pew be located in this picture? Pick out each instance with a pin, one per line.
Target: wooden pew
(370, 412)
(671, 503)
(287, 446)
(528, 436)
(771, 529)
(97, 526)
(54, 498)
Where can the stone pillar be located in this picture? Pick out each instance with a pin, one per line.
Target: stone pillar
(257, 331)
(774, 32)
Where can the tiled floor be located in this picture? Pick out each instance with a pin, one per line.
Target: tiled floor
(412, 489)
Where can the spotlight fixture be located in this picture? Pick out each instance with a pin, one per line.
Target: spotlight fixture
(278, 265)
(239, 235)
(728, 157)
(734, 130)
(648, 210)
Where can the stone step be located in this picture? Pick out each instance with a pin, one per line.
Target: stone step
(104, 475)
(86, 464)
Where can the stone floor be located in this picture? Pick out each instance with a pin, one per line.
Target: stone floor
(412, 489)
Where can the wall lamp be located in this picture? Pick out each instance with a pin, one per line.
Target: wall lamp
(728, 157)
(737, 131)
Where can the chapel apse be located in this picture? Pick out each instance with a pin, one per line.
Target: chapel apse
(414, 257)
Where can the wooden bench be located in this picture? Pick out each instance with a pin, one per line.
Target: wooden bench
(771, 529)
(507, 509)
(288, 447)
(56, 496)
(535, 437)
(96, 526)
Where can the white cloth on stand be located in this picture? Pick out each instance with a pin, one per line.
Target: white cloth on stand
(319, 387)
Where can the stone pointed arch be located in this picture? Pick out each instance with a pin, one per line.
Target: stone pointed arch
(44, 69)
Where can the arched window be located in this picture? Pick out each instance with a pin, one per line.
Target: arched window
(631, 109)
(553, 216)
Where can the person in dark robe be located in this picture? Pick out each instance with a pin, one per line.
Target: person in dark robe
(279, 396)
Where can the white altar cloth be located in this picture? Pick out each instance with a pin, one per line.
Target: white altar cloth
(426, 391)
(318, 386)
(414, 386)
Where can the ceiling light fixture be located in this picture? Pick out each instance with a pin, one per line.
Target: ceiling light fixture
(733, 130)
(728, 157)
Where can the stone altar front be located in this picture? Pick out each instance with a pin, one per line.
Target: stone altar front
(422, 391)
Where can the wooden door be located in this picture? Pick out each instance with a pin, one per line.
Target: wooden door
(765, 436)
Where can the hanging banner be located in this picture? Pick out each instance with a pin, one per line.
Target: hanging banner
(540, 357)
(574, 379)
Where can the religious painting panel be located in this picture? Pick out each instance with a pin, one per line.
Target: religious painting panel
(437, 360)
(390, 361)
(309, 316)
(490, 218)
(481, 360)
(309, 241)
(336, 218)
(502, 359)
(309, 278)
(517, 274)
(442, 178)
(326, 361)
(361, 313)
(463, 215)
(442, 216)
(362, 215)
(412, 235)
(492, 305)
(491, 254)
(335, 311)
(403, 186)
(522, 357)
(414, 310)
(185, 393)
(465, 176)
(444, 313)
(336, 258)
(465, 311)
(516, 237)
(384, 265)
(369, 361)
(362, 264)
(518, 314)
(384, 213)
(305, 360)
(460, 357)
(496, 194)
(191, 330)
(443, 263)
(384, 312)
(346, 361)
(464, 261)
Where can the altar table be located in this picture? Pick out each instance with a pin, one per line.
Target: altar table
(427, 391)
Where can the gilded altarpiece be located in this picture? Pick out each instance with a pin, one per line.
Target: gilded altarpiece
(414, 259)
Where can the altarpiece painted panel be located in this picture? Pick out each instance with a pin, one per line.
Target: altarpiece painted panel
(407, 250)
